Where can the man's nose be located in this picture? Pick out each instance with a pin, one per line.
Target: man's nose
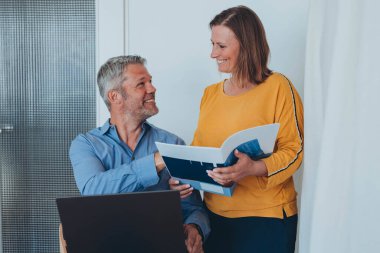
(151, 88)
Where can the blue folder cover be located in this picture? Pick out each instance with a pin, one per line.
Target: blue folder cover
(188, 164)
(194, 172)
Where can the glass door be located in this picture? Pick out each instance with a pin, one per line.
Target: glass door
(47, 97)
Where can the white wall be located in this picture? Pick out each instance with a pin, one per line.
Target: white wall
(111, 41)
(175, 39)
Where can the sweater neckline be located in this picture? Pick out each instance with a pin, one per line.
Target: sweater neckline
(221, 91)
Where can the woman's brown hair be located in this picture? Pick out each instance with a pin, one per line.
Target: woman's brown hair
(254, 52)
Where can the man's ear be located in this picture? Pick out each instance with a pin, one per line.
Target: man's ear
(114, 97)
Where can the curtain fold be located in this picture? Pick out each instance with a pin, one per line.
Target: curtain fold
(340, 199)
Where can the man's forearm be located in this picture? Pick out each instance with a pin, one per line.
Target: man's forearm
(194, 212)
(125, 178)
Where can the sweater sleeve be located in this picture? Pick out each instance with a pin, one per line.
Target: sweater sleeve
(288, 152)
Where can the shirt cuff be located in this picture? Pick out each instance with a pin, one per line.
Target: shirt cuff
(145, 169)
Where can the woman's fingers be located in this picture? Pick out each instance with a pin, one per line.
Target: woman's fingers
(221, 177)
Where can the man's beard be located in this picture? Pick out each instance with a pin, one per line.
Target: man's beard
(147, 113)
(141, 113)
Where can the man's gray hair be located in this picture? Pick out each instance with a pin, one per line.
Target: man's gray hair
(110, 74)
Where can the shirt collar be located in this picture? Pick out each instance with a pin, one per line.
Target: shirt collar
(104, 129)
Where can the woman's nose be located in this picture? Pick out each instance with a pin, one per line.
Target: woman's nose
(214, 52)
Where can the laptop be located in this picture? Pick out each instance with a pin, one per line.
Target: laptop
(131, 222)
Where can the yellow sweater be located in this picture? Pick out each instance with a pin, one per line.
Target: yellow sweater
(273, 101)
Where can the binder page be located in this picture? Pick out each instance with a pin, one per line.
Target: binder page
(265, 135)
(192, 153)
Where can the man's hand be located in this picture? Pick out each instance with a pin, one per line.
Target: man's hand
(159, 162)
(193, 239)
(184, 189)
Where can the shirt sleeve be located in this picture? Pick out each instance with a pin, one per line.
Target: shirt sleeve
(92, 178)
(288, 153)
(193, 209)
(194, 212)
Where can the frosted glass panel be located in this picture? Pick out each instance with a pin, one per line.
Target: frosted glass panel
(47, 95)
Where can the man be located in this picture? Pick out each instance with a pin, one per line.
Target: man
(121, 156)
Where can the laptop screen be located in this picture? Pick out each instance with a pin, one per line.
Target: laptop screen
(131, 222)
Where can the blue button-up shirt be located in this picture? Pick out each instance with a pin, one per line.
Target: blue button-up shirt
(104, 164)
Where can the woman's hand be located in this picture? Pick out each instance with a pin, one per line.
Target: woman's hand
(185, 190)
(244, 167)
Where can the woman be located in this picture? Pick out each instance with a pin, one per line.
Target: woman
(261, 216)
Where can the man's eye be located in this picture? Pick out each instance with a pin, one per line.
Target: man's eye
(222, 46)
(140, 85)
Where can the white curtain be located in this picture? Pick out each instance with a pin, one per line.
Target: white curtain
(340, 200)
